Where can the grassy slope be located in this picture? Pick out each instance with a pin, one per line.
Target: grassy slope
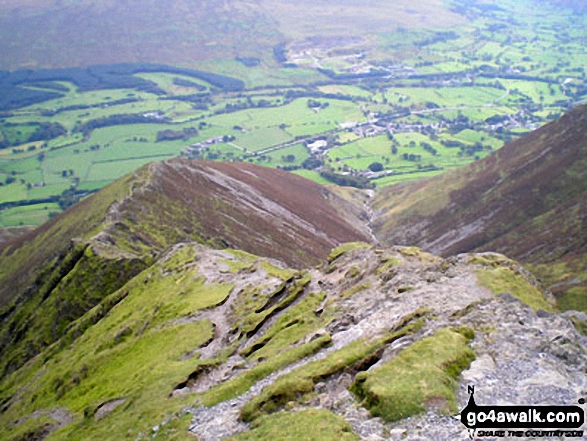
(524, 200)
(141, 348)
(127, 354)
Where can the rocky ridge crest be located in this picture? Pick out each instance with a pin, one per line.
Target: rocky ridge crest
(234, 346)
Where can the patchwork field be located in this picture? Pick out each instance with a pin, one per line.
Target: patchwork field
(372, 98)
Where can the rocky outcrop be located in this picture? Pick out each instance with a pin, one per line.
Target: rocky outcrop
(371, 344)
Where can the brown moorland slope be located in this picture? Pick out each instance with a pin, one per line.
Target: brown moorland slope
(527, 201)
(55, 274)
(260, 210)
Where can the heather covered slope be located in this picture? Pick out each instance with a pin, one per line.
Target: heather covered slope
(526, 201)
(257, 209)
(56, 273)
(228, 345)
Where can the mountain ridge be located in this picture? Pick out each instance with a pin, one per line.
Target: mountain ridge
(75, 261)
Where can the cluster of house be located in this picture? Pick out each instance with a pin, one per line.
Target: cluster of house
(202, 145)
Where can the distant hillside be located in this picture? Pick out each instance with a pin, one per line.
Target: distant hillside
(578, 6)
(527, 201)
(42, 33)
(53, 275)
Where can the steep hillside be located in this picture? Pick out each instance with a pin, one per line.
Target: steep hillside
(527, 201)
(55, 274)
(223, 344)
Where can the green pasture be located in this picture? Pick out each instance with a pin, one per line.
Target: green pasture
(104, 171)
(446, 96)
(310, 128)
(293, 114)
(262, 138)
(13, 192)
(17, 134)
(94, 97)
(346, 90)
(28, 215)
(267, 74)
(299, 151)
(312, 176)
(360, 154)
(471, 136)
(165, 82)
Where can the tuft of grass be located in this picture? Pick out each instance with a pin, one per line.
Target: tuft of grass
(387, 263)
(314, 424)
(490, 259)
(352, 272)
(580, 325)
(424, 374)
(573, 299)
(423, 256)
(345, 248)
(280, 273)
(354, 290)
(239, 261)
(236, 266)
(504, 279)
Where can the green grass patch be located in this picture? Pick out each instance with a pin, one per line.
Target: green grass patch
(255, 304)
(580, 325)
(388, 262)
(142, 370)
(312, 176)
(33, 215)
(345, 248)
(314, 424)
(293, 155)
(423, 375)
(354, 290)
(262, 138)
(281, 273)
(504, 279)
(291, 327)
(573, 299)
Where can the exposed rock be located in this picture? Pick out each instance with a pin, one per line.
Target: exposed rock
(105, 408)
(284, 340)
